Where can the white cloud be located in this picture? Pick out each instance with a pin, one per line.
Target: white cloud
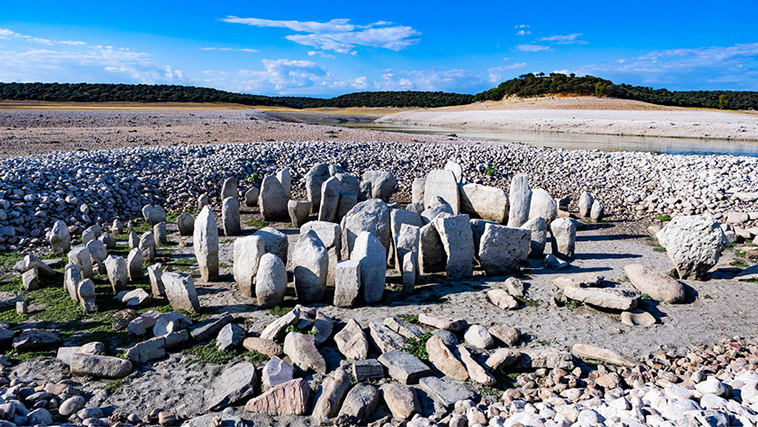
(321, 54)
(523, 32)
(230, 49)
(531, 47)
(521, 26)
(6, 34)
(495, 74)
(564, 39)
(339, 35)
(428, 80)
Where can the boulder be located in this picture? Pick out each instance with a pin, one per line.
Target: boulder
(263, 346)
(446, 392)
(637, 317)
(72, 275)
(314, 179)
(248, 251)
(229, 188)
(155, 274)
(507, 335)
(458, 241)
(148, 247)
(384, 339)
(429, 214)
(351, 341)
(159, 233)
(520, 200)
(432, 256)
(694, 244)
(478, 336)
(407, 245)
(330, 199)
(371, 255)
(273, 200)
(476, 372)
(372, 216)
(333, 390)
(593, 353)
(442, 322)
(444, 360)
(322, 329)
(442, 183)
(276, 372)
(359, 403)
(168, 323)
(290, 398)
(456, 169)
(417, 190)
(401, 400)
(585, 204)
(543, 205)
(285, 178)
(301, 349)
(502, 358)
(612, 299)
(383, 184)
(251, 197)
(80, 256)
(598, 211)
(60, 238)
(488, 203)
(210, 327)
(276, 329)
(202, 201)
(347, 202)
(275, 242)
(367, 370)
(299, 211)
(134, 298)
(186, 224)
(659, 286)
(230, 337)
(205, 238)
(538, 228)
(270, 281)
(563, 242)
(36, 339)
(404, 367)
(311, 267)
(348, 283)
(502, 249)
(134, 264)
(99, 366)
(118, 273)
(230, 216)
(181, 292)
(143, 322)
(235, 384)
(153, 214)
(406, 329)
(330, 235)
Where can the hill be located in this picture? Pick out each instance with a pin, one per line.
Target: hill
(529, 85)
(86, 92)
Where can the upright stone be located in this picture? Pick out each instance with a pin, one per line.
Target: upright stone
(398, 217)
(503, 249)
(372, 257)
(229, 188)
(60, 238)
(488, 203)
(181, 292)
(407, 245)
(81, 256)
(372, 216)
(543, 205)
(299, 212)
(202, 201)
(442, 183)
(383, 184)
(458, 240)
(117, 227)
(694, 244)
(456, 169)
(538, 228)
(205, 239)
(153, 214)
(186, 224)
(251, 197)
(314, 179)
(330, 199)
(133, 239)
(148, 247)
(85, 291)
(159, 232)
(432, 256)
(72, 275)
(331, 236)
(311, 267)
(230, 216)
(585, 204)
(155, 274)
(417, 190)
(347, 202)
(273, 200)
(285, 178)
(270, 281)
(118, 273)
(247, 254)
(276, 242)
(598, 211)
(563, 238)
(521, 200)
(134, 264)
(348, 283)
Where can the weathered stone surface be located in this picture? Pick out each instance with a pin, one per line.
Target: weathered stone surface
(476, 372)
(60, 238)
(210, 327)
(598, 211)
(143, 322)
(270, 281)
(417, 190)
(168, 323)
(520, 200)
(311, 267)
(134, 264)
(276, 372)
(314, 179)
(72, 275)
(230, 188)
(371, 255)
(432, 256)
(35, 339)
(85, 291)
(275, 242)
(401, 400)
(579, 280)
(233, 385)
(30, 279)
(351, 341)
(407, 246)
(181, 292)
(251, 197)
(155, 274)
(99, 366)
(273, 200)
(133, 239)
(488, 203)
(330, 235)
(186, 224)
(563, 233)
(263, 346)
(148, 247)
(276, 329)
(301, 349)
(371, 215)
(285, 178)
(503, 249)
(550, 359)
(637, 317)
(248, 251)
(146, 351)
(442, 322)
(348, 283)
(694, 244)
(538, 228)
(368, 369)
(591, 352)
(118, 273)
(205, 243)
(347, 202)
(383, 184)
(359, 403)
(323, 326)
(456, 169)
(384, 339)
(443, 209)
(458, 240)
(507, 335)
(202, 201)
(406, 329)
(613, 299)
(446, 392)
(299, 211)
(585, 204)
(290, 398)
(159, 233)
(230, 337)
(502, 299)
(230, 216)
(659, 286)
(403, 367)
(330, 199)
(444, 360)
(543, 205)
(333, 390)
(153, 214)
(134, 298)
(502, 358)
(81, 257)
(442, 183)
(71, 405)
(478, 336)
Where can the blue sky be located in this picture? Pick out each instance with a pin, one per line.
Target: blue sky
(330, 48)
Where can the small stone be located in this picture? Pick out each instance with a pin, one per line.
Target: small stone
(263, 346)
(368, 369)
(230, 337)
(276, 372)
(290, 398)
(403, 367)
(351, 341)
(478, 336)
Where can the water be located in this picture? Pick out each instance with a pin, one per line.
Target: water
(576, 141)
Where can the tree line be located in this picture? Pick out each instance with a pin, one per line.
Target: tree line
(528, 85)
(88, 92)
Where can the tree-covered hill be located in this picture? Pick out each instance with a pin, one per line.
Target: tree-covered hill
(86, 92)
(528, 85)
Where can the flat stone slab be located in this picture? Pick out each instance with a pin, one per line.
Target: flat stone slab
(613, 299)
(446, 392)
(369, 369)
(404, 367)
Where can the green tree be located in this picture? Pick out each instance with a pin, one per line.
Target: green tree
(723, 101)
(599, 89)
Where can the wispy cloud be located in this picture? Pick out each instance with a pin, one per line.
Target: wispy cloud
(495, 74)
(339, 35)
(321, 54)
(230, 49)
(6, 34)
(522, 29)
(523, 32)
(564, 39)
(532, 47)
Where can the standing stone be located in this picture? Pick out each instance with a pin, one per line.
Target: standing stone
(202, 201)
(333, 390)
(694, 244)
(60, 238)
(407, 247)
(270, 281)
(659, 286)
(159, 231)
(365, 192)
(299, 212)
(563, 233)
(108, 240)
(585, 204)
(205, 237)
(311, 267)
(117, 227)
(155, 274)
(314, 179)
(98, 253)
(417, 190)
(251, 197)
(186, 224)
(181, 292)
(85, 291)
(520, 199)
(331, 236)
(502, 249)
(72, 275)
(347, 202)
(371, 255)
(118, 273)
(81, 256)
(147, 246)
(477, 228)
(442, 183)
(350, 183)
(383, 184)
(351, 341)
(275, 242)
(598, 211)
(330, 199)
(153, 214)
(273, 200)
(133, 240)
(134, 264)
(488, 203)
(543, 205)
(88, 235)
(247, 254)
(432, 256)
(458, 240)
(230, 216)
(538, 228)
(456, 169)
(285, 178)
(348, 283)
(229, 188)
(372, 216)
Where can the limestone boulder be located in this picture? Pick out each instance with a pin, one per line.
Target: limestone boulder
(488, 203)
(206, 244)
(520, 200)
(502, 249)
(694, 244)
(443, 184)
(659, 286)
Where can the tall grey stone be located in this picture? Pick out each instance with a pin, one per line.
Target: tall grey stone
(72, 275)
(275, 242)
(442, 183)
(133, 239)
(372, 257)
(314, 179)
(251, 197)
(456, 169)
(347, 201)
(598, 211)
(538, 228)
(330, 235)
(117, 227)
(285, 178)
(230, 216)
(417, 190)
(311, 266)
(520, 200)
(85, 291)
(148, 247)
(563, 238)
(81, 256)
(693, 243)
(502, 249)
(348, 283)
(407, 242)
(202, 201)
(134, 264)
(229, 188)
(585, 204)
(273, 200)
(383, 184)
(488, 203)
(98, 253)
(60, 238)
(186, 224)
(330, 199)
(180, 292)
(349, 183)
(477, 228)
(118, 273)
(543, 205)
(205, 238)
(270, 281)
(372, 216)
(432, 256)
(153, 214)
(299, 211)
(458, 240)
(247, 254)
(159, 233)
(155, 274)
